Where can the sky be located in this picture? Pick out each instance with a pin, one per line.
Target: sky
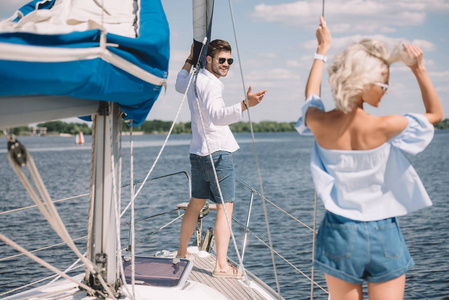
(276, 42)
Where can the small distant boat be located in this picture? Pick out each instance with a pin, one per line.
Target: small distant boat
(79, 138)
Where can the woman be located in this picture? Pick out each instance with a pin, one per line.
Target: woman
(359, 170)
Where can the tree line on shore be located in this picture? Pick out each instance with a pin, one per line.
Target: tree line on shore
(158, 126)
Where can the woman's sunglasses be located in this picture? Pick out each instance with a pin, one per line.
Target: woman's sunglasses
(222, 60)
(384, 86)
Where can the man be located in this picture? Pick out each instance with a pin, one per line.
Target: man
(216, 117)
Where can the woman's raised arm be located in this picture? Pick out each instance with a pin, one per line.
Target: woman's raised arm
(324, 39)
(434, 110)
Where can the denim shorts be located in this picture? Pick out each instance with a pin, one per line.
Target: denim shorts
(357, 251)
(204, 185)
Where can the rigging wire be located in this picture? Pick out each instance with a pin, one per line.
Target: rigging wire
(34, 282)
(228, 221)
(282, 257)
(45, 264)
(315, 209)
(267, 224)
(40, 249)
(31, 206)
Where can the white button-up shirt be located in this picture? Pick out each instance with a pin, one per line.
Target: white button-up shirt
(216, 116)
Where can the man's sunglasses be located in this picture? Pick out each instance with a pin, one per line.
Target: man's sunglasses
(222, 60)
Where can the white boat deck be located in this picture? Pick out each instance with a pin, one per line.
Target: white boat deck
(231, 288)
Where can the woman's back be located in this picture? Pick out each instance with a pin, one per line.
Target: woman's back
(358, 168)
(356, 130)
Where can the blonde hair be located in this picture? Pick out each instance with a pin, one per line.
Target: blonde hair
(358, 67)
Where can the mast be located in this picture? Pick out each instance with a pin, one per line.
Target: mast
(102, 234)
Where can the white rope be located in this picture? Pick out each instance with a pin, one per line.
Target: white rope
(119, 196)
(90, 221)
(160, 151)
(228, 222)
(48, 209)
(255, 153)
(222, 201)
(116, 193)
(45, 205)
(133, 237)
(120, 270)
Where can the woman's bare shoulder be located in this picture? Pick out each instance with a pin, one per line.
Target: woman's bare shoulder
(392, 125)
(316, 117)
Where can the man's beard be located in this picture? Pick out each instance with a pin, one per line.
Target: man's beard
(217, 71)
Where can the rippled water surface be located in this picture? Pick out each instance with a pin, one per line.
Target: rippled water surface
(284, 164)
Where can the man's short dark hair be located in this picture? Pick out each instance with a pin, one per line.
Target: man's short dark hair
(217, 46)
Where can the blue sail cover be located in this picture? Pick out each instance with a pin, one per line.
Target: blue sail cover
(129, 71)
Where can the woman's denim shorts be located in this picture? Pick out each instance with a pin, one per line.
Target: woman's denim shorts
(204, 185)
(357, 251)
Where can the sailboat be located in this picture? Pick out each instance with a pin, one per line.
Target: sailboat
(79, 138)
(92, 66)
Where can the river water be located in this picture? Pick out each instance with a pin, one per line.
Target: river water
(284, 165)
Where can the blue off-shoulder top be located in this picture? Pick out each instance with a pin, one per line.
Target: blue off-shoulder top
(375, 184)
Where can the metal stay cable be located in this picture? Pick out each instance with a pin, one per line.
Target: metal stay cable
(40, 249)
(45, 264)
(70, 268)
(34, 282)
(216, 177)
(31, 206)
(282, 257)
(255, 152)
(281, 209)
(315, 208)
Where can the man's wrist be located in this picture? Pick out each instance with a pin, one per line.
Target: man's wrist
(189, 61)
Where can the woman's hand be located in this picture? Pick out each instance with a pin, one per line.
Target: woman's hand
(416, 54)
(434, 110)
(323, 36)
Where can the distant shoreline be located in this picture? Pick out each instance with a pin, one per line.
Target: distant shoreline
(59, 128)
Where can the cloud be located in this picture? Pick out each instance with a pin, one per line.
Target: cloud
(444, 75)
(352, 15)
(339, 44)
(268, 55)
(441, 82)
(424, 45)
(8, 7)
